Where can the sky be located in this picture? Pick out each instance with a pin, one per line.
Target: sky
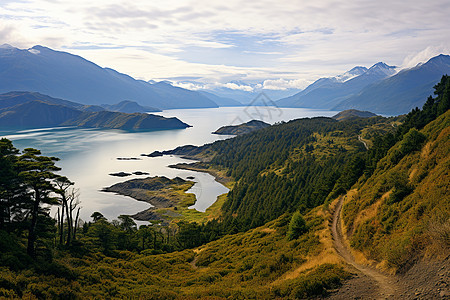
(278, 43)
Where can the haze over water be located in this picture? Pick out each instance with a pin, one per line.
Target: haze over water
(89, 155)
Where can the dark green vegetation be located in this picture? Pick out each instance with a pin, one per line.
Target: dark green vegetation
(242, 128)
(269, 239)
(33, 110)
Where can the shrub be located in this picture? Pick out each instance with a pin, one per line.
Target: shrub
(297, 226)
(412, 141)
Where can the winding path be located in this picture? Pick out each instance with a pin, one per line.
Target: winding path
(362, 141)
(387, 287)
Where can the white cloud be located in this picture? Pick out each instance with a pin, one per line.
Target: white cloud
(234, 86)
(414, 59)
(283, 84)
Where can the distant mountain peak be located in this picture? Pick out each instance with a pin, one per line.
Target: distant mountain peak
(354, 72)
(358, 69)
(382, 69)
(166, 82)
(39, 47)
(440, 58)
(381, 65)
(7, 46)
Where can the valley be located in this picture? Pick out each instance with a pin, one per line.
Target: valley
(113, 187)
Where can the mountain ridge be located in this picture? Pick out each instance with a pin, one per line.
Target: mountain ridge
(327, 92)
(64, 75)
(403, 91)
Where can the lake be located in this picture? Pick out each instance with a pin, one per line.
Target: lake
(88, 156)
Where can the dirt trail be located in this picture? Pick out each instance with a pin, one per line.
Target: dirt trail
(362, 141)
(387, 287)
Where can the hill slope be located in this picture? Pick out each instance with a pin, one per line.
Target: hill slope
(14, 98)
(36, 114)
(402, 211)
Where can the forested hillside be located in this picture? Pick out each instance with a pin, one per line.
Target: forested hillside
(268, 238)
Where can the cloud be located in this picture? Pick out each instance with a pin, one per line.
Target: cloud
(292, 40)
(283, 84)
(413, 60)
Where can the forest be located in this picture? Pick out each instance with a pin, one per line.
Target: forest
(281, 175)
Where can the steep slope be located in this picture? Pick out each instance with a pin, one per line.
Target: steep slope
(400, 93)
(327, 92)
(71, 77)
(401, 213)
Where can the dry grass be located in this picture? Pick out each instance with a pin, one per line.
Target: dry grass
(370, 211)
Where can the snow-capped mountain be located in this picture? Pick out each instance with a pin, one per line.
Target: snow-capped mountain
(400, 93)
(328, 92)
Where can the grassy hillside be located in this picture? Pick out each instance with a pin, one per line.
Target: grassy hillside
(403, 210)
(261, 263)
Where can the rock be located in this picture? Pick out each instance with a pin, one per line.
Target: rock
(128, 158)
(120, 174)
(190, 177)
(153, 154)
(140, 173)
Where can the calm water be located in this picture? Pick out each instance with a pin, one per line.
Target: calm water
(89, 155)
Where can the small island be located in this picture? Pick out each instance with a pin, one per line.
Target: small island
(167, 196)
(242, 128)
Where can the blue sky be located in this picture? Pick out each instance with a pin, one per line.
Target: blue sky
(289, 43)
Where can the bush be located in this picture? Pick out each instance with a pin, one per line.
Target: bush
(412, 141)
(315, 283)
(297, 226)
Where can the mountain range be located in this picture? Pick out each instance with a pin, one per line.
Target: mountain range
(240, 92)
(402, 92)
(63, 75)
(379, 89)
(328, 92)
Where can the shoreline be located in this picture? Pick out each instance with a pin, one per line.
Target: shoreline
(197, 167)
